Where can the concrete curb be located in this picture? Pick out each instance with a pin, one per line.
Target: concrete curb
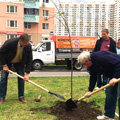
(54, 74)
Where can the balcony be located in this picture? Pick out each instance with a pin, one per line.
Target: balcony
(31, 15)
(31, 4)
(31, 18)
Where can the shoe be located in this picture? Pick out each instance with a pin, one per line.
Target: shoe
(103, 117)
(96, 88)
(22, 100)
(1, 101)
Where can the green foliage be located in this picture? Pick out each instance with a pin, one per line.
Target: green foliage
(60, 12)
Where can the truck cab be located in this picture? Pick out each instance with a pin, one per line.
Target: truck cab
(43, 53)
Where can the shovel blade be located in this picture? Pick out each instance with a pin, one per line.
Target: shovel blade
(57, 95)
(70, 104)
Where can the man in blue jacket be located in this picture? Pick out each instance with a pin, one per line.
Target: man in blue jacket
(107, 63)
(16, 51)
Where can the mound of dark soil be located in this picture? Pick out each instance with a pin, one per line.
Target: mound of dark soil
(84, 111)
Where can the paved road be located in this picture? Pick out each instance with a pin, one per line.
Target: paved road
(55, 71)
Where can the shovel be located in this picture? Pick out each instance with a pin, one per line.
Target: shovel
(57, 95)
(72, 104)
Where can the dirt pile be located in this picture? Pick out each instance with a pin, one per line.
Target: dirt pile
(84, 111)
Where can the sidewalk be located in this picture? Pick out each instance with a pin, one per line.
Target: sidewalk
(54, 74)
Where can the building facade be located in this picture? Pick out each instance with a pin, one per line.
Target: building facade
(85, 18)
(117, 20)
(26, 16)
(11, 19)
(39, 19)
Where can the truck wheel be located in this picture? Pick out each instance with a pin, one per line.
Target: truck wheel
(37, 65)
(77, 66)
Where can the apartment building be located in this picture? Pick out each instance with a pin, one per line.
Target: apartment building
(111, 20)
(85, 18)
(39, 19)
(11, 19)
(35, 17)
(117, 20)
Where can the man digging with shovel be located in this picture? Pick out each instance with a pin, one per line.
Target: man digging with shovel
(107, 63)
(16, 51)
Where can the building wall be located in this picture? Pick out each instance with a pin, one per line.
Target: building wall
(117, 20)
(36, 30)
(111, 20)
(4, 16)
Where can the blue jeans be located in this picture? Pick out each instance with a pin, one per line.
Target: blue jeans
(99, 81)
(4, 77)
(111, 99)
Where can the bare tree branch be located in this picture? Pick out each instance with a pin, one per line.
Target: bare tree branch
(61, 14)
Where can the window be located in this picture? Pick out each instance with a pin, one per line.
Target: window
(11, 9)
(45, 1)
(45, 26)
(27, 25)
(45, 38)
(45, 13)
(46, 46)
(12, 23)
(10, 36)
(31, 0)
(31, 11)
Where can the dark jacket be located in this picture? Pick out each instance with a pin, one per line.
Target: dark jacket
(112, 45)
(104, 62)
(8, 52)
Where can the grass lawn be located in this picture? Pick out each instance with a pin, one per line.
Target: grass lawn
(12, 109)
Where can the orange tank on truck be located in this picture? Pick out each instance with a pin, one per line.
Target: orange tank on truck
(77, 43)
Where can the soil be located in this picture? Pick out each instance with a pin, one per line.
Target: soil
(84, 111)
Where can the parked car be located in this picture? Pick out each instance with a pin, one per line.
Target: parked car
(32, 44)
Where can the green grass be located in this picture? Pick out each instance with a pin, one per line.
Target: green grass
(12, 109)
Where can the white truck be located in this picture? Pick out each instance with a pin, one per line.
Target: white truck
(58, 51)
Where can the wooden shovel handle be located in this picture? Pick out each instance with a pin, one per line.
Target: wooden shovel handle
(28, 81)
(16, 74)
(105, 86)
(39, 96)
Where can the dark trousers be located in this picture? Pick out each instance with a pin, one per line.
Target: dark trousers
(99, 80)
(4, 77)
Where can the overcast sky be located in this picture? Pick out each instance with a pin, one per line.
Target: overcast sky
(110, 1)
